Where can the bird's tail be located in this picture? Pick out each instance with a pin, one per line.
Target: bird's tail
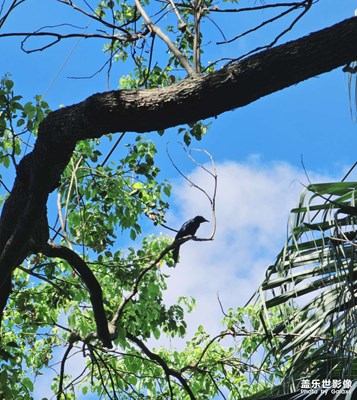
(175, 253)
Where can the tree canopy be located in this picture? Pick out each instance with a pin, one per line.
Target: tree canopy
(68, 286)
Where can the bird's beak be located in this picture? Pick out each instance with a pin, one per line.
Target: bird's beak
(206, 220)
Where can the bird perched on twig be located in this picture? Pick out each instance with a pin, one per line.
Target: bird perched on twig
(188, 228)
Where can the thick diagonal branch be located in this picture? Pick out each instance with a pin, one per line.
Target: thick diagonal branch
(233, 86)
(94, 288)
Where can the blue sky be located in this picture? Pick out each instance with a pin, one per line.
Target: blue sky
(306, 119)
(257, 150)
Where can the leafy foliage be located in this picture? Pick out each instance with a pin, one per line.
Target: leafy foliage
(50, 306)
(16, 121)
(312, 283)
(100, 210)
(99, 198)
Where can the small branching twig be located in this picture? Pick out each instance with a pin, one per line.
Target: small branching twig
(12, 6)
(96, 357)
(255, 8)
(211, 199)
(163, 364)
(157, 31)
(63, 220)
(94, 16)
(61, 36)
(31, 272)
(134, 289)
(269, 21)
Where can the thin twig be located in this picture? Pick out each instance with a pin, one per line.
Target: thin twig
(58, 37)
(168, 371)
(213, 174)
(61, 376)
(271, 44)
(143, 272)
(14, 4)
(95, 17)
(156, 30)
(112, 149)
(268, 21)
(256, 8)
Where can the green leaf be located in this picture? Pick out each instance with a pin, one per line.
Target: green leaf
(132, 234)
(187, 139)
(9, 84)
(156, 333)
(28, 384)
(137, 185)
(167, 190)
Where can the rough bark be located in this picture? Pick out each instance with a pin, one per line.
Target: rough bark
(233, 86)
(236, 85)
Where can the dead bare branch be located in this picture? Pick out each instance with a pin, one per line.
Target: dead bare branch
(264, 6)
(211, 199)
(11, 8)
(306, 4)
(96, 18)
(58, 37)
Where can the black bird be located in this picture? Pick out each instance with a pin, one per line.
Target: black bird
(188, 228)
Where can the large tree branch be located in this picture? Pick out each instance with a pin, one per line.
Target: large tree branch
(235, 85)
(94, 288)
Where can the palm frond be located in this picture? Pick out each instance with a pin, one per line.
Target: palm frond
(313, 284)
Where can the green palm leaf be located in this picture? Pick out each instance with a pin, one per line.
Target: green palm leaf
(313, 284)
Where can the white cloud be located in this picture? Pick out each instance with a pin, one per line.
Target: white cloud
(253, 204)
